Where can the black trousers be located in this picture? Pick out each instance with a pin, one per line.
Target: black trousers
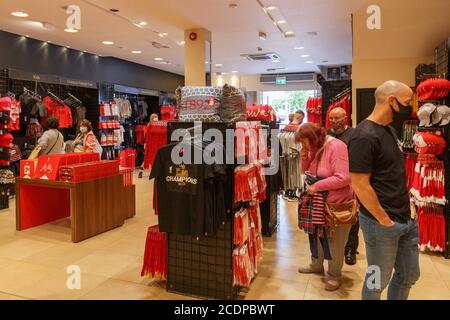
(353, 238)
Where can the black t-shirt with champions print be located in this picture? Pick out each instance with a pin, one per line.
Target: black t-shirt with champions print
(375, 149)
(186, 195)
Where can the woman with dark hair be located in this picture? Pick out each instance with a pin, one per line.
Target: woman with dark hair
(52, 141)
(86, 141)
(326, 165)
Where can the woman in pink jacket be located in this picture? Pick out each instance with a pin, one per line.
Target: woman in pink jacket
(326, 159)
(86, 140)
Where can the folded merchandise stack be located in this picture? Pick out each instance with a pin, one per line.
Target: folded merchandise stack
(7, 178)
(88, 171)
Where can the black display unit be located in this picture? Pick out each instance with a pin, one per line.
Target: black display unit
(203, 268)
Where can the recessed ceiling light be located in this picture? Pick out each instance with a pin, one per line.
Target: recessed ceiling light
(109, 43)
(281, 21)
(207, 62)
(309, 61)
(19, 14)
(218, 65)
(26, 35)
(234, 71)
(275, 61)
(49, 41)
(233, 5)
(71, 30)
(271, 8)
(142, 23)
(163, 34)
(158, 59)
(84, 51)
(289, 34)
(136, 51)
(68, 47)
(181, 43)
(100, 55)
(305, 56)
(299, 48)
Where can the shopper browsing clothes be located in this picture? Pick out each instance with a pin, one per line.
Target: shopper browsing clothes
(52, 141)
(378, 176)
(325, 162)
(340, 130)
(86, 140)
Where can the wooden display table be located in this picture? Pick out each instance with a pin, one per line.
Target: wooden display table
(93, 206)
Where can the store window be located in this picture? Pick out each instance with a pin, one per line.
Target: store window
(286, 102)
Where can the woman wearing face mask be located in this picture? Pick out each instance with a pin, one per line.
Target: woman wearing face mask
(86, 140)
(325, 159)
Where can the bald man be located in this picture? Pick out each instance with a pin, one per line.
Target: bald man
(379, 179)
(340, 130)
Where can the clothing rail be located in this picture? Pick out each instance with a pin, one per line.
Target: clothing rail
(55, 98)
(340, 95)
(74, 98)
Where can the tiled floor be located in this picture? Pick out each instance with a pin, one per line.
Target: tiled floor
(33, 263)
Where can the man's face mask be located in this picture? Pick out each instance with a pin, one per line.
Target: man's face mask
(404, 113)
(338, 125)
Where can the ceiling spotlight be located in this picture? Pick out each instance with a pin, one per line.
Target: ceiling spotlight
(181, 43)
(281, 21)
(68, 47)
(299, 48)
(26, 36)
(163, 34)
(218, 65)
(158, 59)
(71, 30)
(100, 55)
(19, 14)
(271, 8)
(289, 34)
(142, 23)
(305, 56)
(84, 51)
(49, 41)
(233, 5)
(108, 43)
(207, 62)
(309, 61)
(136, 51)
(275, 61)
(234, 71)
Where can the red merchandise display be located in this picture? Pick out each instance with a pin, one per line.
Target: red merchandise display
(58, 110)
(28, 168)
(155, 255)
(261, 113)
(14, 124)
(431, 221)
(48, 166)
(156, 137)
(433, 89)
(127, 158)
(88, 171)
(314, 110)
(140, 133)
(168, 113)
(345, 102)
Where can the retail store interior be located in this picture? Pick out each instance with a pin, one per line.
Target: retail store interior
(83, 224)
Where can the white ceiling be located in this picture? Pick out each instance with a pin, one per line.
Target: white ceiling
(234, 31)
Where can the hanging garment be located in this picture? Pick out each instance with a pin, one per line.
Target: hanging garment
(314, 110)
(156, 137)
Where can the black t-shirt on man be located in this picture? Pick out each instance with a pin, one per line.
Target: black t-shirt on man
(375, 149)
(344, 136)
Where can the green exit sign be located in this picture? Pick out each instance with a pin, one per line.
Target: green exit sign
(281, 81)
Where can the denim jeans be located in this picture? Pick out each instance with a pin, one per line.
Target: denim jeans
(390, 249)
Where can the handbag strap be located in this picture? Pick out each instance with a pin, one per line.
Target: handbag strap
(318, 154)
(57, 139)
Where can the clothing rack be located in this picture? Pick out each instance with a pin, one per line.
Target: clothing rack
(340, 95)
(74, 98)
(55, 98)
(32, 93)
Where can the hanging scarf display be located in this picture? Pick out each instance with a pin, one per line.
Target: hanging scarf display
(155, 138)
(155, 256)
(428, 183)
(431, 228)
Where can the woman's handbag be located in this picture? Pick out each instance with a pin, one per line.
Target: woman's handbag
(341, 214)
(35, 153)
